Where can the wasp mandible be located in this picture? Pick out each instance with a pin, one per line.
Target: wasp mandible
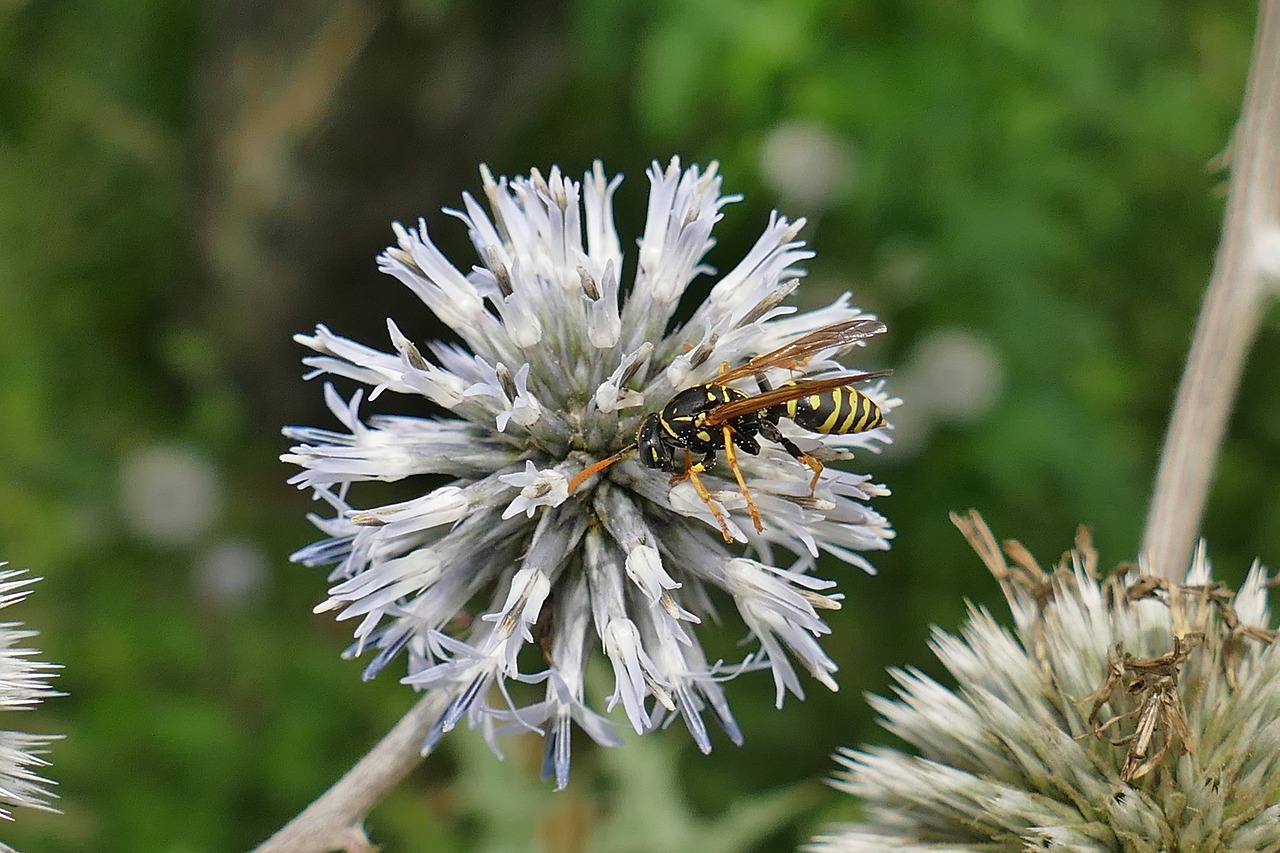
(715, 416)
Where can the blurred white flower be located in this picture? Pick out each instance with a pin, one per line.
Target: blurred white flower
(806, 164)
(24, 683)
(1125, 713)
(170, 494)
(955, 375)
(232, 573)
(503, 576)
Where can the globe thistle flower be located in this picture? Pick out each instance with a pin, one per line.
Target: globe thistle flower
(1125, 713)
(24, 683)
(504, 576)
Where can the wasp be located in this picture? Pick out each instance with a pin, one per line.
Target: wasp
(704, 419)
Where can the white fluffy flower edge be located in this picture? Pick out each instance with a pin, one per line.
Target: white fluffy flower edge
(24, 684)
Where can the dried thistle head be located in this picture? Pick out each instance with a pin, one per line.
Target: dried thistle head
(1121, 713)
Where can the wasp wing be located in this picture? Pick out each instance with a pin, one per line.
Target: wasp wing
(721, 415)
(797, 354)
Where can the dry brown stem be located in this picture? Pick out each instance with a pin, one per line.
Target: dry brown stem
(1242, 282)
(335, 821)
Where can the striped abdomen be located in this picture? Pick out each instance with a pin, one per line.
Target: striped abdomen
(835, 412)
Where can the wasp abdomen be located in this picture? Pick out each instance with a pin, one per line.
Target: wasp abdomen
(835, 412)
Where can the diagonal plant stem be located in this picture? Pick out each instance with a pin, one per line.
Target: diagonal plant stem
(1243, 280)
(335, 821)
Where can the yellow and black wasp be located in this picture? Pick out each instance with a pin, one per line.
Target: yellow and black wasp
(706, 418)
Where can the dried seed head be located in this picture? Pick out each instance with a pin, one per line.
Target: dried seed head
(1122, 712)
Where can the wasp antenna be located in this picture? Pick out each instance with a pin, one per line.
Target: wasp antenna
(597, 467)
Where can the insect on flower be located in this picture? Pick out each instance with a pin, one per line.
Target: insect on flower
(496, 578)
(716, 416)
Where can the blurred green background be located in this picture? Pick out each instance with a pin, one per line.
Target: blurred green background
(1025, 190)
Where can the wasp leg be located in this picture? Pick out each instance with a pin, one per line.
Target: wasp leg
(771, 432)
(691, 472)
(683, 475)
(731, 456)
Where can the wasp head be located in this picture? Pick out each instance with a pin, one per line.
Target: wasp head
(655, 451)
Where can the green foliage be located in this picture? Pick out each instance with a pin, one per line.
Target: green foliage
(629, 800)
(1031, 173)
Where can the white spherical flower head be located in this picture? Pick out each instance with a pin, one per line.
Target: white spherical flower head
(1126, 713)
(613, 470)
(24, 683)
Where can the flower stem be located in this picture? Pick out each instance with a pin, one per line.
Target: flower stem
(335, 821)
(1242, 280)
